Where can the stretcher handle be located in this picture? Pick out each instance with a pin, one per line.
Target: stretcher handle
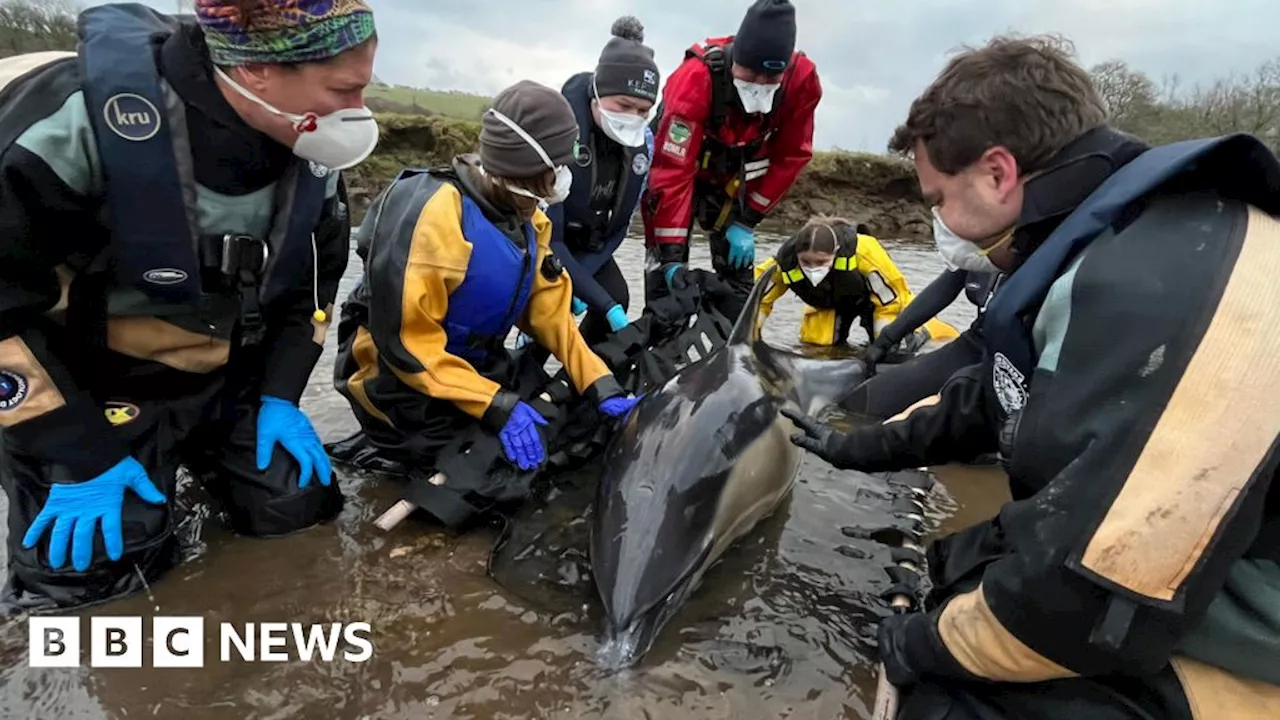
(886, 703)
(402, 509)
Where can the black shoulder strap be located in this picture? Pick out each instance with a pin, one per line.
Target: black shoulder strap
(716, 58)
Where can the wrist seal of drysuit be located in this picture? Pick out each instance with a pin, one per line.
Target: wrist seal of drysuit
(912, 650)
(499, 411)
(665, 253)
(749, 217)
(603, 389)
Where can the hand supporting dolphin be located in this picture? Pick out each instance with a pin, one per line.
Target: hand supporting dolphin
(818, 438)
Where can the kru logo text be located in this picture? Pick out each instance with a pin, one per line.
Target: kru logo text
(179, 642)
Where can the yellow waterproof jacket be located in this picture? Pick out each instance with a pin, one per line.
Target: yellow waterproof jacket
(863, 281)
(417, 260)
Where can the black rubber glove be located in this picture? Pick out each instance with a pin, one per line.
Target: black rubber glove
(912, 649)
(874, 354)
(822, 440)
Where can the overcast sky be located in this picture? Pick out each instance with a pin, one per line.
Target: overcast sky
(873, 56)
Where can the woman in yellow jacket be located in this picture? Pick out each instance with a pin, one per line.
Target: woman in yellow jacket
(454, 258)
(843, 275)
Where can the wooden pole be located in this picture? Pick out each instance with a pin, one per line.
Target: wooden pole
(402, 509)
(886, 703)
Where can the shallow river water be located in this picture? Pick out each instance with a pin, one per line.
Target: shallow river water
(782, 628)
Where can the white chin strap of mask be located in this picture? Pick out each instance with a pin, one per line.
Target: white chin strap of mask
(564, 178)
(961, 254)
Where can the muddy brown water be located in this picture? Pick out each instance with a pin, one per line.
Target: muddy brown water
(783, 627)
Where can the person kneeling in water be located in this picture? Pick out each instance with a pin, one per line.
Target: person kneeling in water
(453, 259)
(843, 274)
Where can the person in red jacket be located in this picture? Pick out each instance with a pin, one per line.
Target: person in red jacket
(734, 131)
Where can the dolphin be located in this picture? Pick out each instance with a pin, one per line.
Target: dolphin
(697, 464)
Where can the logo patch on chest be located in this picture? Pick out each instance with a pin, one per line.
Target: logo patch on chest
(131, 116)
(13, 390)
(164, 276)
(640, 164)
(120, 413)
(1009, 383)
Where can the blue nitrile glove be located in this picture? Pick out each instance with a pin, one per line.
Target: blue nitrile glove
(619, 405)
(75, 510)
(742, 245)
(577, 307)
(617, 318)
(520, 437)
(280, 421)
(522, 339)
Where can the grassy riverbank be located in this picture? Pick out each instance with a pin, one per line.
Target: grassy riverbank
(876, 189)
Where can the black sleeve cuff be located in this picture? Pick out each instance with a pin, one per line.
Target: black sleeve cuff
(500, 407)
(911, 650)
(603, 389)
(668, 253)
(749, 216)
(867, 449)
(76, 435)
(288, 366)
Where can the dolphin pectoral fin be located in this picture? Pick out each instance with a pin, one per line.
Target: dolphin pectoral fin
(820, 383)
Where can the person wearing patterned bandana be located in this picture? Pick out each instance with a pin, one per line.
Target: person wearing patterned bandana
(175, 226)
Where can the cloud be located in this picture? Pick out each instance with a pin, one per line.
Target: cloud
(873, 57)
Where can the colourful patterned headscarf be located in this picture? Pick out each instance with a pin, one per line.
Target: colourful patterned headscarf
(283, 31)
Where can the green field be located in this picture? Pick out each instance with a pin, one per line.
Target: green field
(464, 106)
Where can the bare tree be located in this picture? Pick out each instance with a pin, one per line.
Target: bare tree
(1126, 93)
(1240, 103)
(35, 25)
(1168, 111)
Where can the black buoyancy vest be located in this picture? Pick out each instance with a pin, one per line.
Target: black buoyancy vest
(586, 228)
(138, 121)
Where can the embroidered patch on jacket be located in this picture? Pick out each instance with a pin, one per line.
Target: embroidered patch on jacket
(119, 413)
(1009, 384)
(13, 390)
(676, 143)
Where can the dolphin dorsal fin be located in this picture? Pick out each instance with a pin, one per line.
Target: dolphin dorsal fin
(746, 329)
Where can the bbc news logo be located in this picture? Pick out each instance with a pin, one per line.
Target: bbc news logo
(179, 642)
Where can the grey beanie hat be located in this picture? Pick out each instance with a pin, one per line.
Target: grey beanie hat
(626, 65)
(542, 113)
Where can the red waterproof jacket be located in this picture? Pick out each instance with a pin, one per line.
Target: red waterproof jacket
(767, 150)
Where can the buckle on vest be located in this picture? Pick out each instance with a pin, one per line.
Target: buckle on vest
(243, 256)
